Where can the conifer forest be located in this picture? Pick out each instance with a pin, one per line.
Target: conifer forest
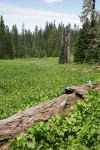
(52, 41)
(50, 83)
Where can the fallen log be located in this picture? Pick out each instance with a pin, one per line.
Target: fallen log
(93, 68)
(82, 90)
(20, 122)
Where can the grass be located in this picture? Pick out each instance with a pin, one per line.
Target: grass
(27, 82)
(79, 130)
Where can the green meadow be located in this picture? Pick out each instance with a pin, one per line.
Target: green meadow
(27, 82)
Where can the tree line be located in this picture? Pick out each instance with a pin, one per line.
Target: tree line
(52, 41)
(45, 42)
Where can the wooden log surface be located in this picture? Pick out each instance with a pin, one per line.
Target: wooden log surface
(90, 69)
(20, 122)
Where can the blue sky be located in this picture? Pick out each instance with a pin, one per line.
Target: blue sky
(37, 12)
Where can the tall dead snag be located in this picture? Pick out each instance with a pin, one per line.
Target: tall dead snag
(68, 48)
(20, 122)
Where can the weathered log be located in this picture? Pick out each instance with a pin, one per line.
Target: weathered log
(90, 69)
(82, 90)
(20, 122)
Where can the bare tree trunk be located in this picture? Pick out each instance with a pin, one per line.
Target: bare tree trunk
(68, 55)
(64, 48)
(68, 48)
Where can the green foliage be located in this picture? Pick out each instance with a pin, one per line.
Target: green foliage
(82, 44)
(79, 130)
(2, 38)
(87, 47)
(40, 43)
(14, 34)
(9, 47)
(52, 41)
(27, 82)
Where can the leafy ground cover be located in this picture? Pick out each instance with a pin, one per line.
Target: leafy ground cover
(80, 130)
(27, 82)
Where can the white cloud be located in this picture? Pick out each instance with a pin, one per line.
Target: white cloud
(32, 17)
(53, 1)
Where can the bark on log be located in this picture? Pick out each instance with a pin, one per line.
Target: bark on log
(93, 68)
(82, 90)
(20, 122)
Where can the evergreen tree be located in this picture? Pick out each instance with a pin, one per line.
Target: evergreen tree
(88, 11)
(9, 50)
(50, 42)
(82, 43)
(62, 47)
(52, 39)
(28, 43)
(74, 36)
(15, 41)
(45, 41)
(89, 52)
(40, 44)
(36, 41)
(2, 39)
(22, 42)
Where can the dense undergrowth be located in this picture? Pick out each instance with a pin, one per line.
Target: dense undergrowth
(80, 130)
(27, 82)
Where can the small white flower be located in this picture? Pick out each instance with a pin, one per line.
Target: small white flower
(90, 82)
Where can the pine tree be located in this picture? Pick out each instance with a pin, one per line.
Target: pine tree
(28, 43)
(9, 50)
(74, 36)
(40, 44)
(2, 39)
(82, 43)
(36, 41)
(91, 53)
(22, 42)
(52, 40)
(15, 41)
(62, 47)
